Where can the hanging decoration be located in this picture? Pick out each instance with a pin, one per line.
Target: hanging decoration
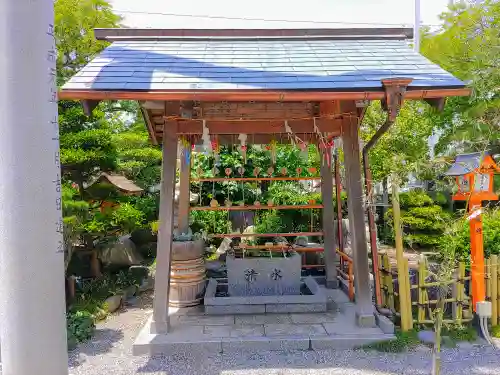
(272, 150)
(283, 171)
(216, 150)
(327, 148)
(184, 151)
(205, 137)
(304, 151)
(241, 172)
(243, 146)
(256, 171)
(294, 139)
(270, 171)
(320, 136)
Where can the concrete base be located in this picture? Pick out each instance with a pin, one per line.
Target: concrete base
(365, 321)
(193, 330)
(385, 324)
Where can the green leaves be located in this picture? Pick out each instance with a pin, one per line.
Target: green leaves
(468, 46)
(423, 222)
(75, 21)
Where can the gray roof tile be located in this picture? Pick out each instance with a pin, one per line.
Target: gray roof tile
(302, 64)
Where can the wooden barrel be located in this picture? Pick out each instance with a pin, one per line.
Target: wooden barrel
(187, 282)
(187, 274)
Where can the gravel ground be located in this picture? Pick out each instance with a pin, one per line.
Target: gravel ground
(109, 352)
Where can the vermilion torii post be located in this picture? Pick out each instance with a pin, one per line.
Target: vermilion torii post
(474, 179)
(476, 253)
(33, 312)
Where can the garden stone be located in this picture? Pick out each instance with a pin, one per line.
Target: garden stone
(427, 337)
(113, 303)
(121, 253)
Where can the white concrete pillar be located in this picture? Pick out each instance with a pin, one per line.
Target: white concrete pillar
(32, 307)
(160, 322)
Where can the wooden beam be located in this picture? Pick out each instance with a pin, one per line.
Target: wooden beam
(243, 235)
(256, 139)
(133, 33)
(258, 126)
(437, 103)
(89, 106)
(149, 125)
(261, 207)
(255, 95)
(253, 179)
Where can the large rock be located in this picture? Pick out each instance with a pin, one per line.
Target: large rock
(113, 303)
(121, 253)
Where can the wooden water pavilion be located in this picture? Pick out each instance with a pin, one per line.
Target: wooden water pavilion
(267, 84)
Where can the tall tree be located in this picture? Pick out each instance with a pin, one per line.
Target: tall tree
(468, 45)
(404, 148)
(75, 21)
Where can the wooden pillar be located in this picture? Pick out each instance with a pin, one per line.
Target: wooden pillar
(184, 184)
(364, 307)
(338, 195)
(330, 242)
(160, 322)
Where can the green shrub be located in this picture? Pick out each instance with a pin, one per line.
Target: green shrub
(209, 221)
(423, 221)
(456, 239)
(495, 332)
(80, 327)
(402, 342)
(460, 333)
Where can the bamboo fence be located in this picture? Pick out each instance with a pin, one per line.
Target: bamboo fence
(413, 301)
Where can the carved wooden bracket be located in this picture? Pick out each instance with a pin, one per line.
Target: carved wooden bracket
(395, 90)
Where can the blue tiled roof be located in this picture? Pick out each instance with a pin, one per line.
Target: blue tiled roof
(466, 163)
(274, 64)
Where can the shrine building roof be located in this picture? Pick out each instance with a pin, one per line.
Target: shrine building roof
(186, 62)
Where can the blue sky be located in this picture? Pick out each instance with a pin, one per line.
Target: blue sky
(339, 12)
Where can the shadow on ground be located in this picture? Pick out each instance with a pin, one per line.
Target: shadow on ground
(101, 343)
(477, 360)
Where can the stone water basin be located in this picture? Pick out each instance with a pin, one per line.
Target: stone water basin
(310, 298)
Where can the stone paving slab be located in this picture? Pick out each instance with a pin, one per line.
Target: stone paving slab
(313, 318)
(203, 320)
(296, 307)
(235, 331)
(263, 319)
(235, 309)
(294, 329)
